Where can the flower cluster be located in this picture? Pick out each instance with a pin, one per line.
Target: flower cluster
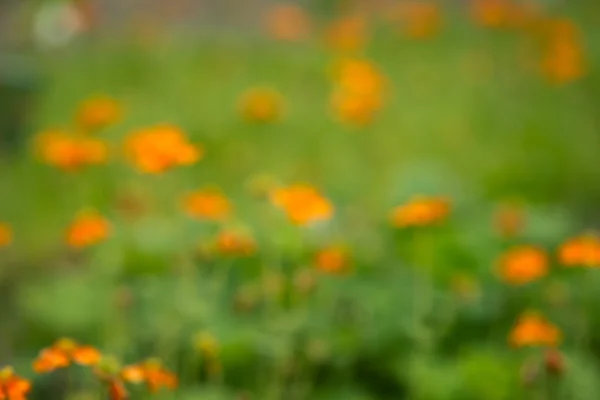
(70, 152)
(159, 148)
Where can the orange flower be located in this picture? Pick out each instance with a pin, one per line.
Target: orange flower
(230, 242)
(421, 20)
(98, 112)
(262, 105)
(534, 330)
(583, 251)
(152, 373)
(360, 87)
(523, 264)
(302, 203)
(490, 13)
(509, 220)
(6, 234)
(347, 34)
(564, 56)
(288, 22)
(420, 211)
(89, 228)
(359, 76)
(64, 352)
(12, 386)
(208, 204)
(355, 109)
(332, 260)
(159, 148)
(117, 390)
(70, 152)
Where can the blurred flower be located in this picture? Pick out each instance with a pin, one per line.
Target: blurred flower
(208, 204)
(523, 264)
(88, 228)
(159, 148)
(490, 13)
(564, 56)
(208, 346)
(12, 386)
(509, 220)
(333, 260)
(347, 34)
(70, 152)
(108, 370)
(420, 211)
(554, 362)
(465, 287)
(359, 91)
(288, 22)
(355, 109)
(152, 373)
(64, 352)
(98, 112)
(6, 234)
(261, 104)
(246, 298)
(530, 372)
(231, 242)
(131, 206)
(534, 330)
(359, 76)
(302, 203)
(420, 20)
(273, 284)
(117, 390)
(582, 251)
(304, 281)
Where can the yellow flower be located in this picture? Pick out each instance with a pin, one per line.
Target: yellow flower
(302, 203)
(582, 251)
(523, 264)
(534, 330)
(206, 344)
(89, 228)
(159, 148)
(420, 211)
(98, 112)
(209, 204)
(262, 105)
